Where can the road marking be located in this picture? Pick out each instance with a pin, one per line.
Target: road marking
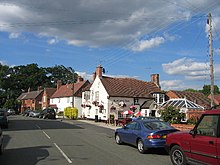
(64, 155)
(38, 126)
(46, 135)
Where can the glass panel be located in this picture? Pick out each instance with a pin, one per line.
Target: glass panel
(208, 125)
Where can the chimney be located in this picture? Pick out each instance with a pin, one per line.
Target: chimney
(29, 89)
(99, 71)
(155, 79)
(59, 83)
(39, 88)
(80, 79)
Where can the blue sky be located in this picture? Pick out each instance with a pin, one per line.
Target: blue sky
(128, 38)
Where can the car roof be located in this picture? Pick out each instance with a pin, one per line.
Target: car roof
(148, 120)
(214, 111)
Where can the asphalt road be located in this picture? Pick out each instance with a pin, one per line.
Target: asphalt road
(30, 141)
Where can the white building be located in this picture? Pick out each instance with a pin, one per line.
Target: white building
(109, 97)
(63, 97)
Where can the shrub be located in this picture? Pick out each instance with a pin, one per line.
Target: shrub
(71, 113)
(171, 115)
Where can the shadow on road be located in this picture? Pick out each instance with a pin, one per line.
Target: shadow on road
(34, 124)
(29, 155)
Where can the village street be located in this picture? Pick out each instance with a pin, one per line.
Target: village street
(34, 141)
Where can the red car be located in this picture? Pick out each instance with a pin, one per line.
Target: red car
(201, 145)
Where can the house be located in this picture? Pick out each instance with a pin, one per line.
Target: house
(36, 100)
(110, 97)
(196, 97)
(31, 100)
(47, 93)
(69, 95)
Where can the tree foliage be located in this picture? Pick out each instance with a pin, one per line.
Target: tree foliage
(18, 79)
(207, 88)
(171, 115)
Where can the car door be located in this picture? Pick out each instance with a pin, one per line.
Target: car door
(134, 132)
(127, 133)
(204, 142)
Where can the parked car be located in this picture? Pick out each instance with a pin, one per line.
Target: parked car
(26, 112)
(1, 142)
(3, 118)
(34, 113)
(201, 145)
(48, 113)
(11, 112)
(144, 134)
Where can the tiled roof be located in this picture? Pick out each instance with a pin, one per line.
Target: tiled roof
(50, 91)
(128, 87)
(66, 90)
(196, 97)
(30, 95)
(217, 99)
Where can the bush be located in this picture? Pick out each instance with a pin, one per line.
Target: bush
(71, 113)
(171, 115)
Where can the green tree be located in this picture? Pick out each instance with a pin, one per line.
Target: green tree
(171, 115)
(60, 72)
(191, 90)
(206, 90)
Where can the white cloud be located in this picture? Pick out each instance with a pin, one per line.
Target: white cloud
(171, 85)
(217, 51)
(187, 67)
(96, 24)
(3, 63)
(147, 44)
(14, 35)
(52, 41)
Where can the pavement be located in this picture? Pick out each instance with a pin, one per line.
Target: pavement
(181, 127)
(100, 124)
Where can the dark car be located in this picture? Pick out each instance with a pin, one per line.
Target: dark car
(144, 134)
(1, 142)
(3, 118)
(201, 145)
(48, 113)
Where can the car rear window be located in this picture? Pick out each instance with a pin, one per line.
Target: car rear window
(157, 125)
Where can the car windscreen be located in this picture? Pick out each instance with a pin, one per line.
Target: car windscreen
(156, 125)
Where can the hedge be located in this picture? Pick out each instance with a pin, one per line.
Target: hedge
(71, 113)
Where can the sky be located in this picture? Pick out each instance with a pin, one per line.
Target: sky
(129, 38)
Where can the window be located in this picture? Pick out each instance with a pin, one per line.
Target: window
(44, 99)
(97, 96)
(208, 125)
(134, 125)
(87, 95)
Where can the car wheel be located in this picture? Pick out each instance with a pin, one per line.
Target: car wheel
(140, 146)
(45, 116)
(177, 156)
(118, 139)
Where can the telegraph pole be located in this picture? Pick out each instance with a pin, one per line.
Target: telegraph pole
(211, 59)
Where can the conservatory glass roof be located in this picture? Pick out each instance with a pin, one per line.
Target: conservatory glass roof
(181, 103)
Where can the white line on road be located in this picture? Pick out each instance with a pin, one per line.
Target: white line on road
(64, 155)
(38, 126)
(46, 135)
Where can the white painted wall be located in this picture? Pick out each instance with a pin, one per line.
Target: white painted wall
(64, 102)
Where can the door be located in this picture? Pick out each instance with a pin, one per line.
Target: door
(204, 143)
